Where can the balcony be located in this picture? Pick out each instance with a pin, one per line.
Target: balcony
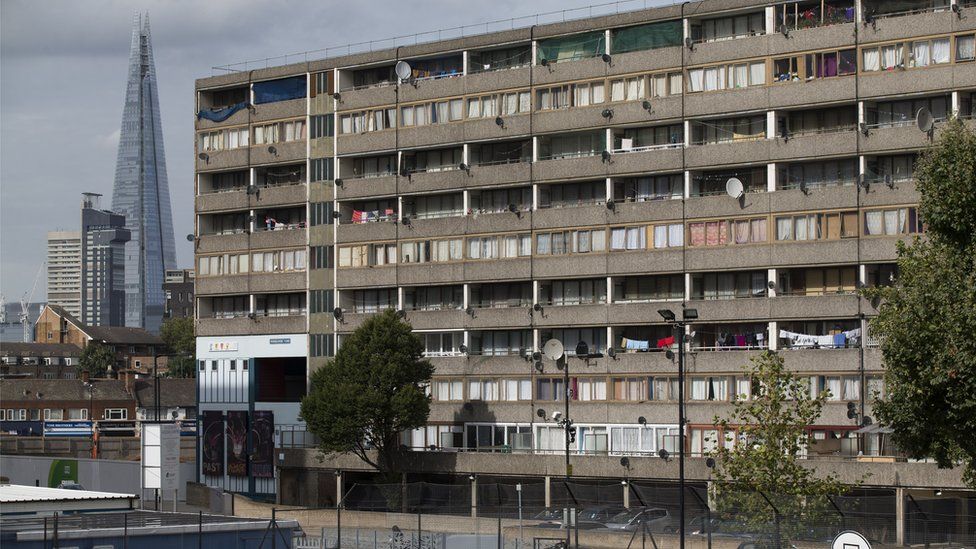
(571, 315)
(414, 274)
(645, 261)
(585, 214)
(731, 309)
(642, 160)
(818, 91)
(434, 180)
(556, 266)
(246, 326)
(732, 153)
(498, 317)
(367, 187)
(896, 137)
(811, 307)
(367, 232)
(583, 164)
(808, 145)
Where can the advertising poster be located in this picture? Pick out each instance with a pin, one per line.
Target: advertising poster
(213, 443)
(262, 440)
(237, 443)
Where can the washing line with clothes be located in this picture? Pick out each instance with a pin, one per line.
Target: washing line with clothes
(840, 339)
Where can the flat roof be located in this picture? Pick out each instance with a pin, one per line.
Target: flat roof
(16, 493)
(116, 524)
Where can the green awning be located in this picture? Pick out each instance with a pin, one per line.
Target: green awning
(646, 37)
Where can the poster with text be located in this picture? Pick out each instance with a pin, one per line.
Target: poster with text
(262, 440)
(237, 443)
(213, 443)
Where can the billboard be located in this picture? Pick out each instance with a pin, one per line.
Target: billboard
(237, 443)
(262, 442)
(213, 443)
(160, 456)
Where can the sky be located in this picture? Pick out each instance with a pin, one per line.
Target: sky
(62, 80)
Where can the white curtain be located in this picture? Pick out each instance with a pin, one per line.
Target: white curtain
(852, 388)
(940, 50)
(712, 76)
(833, 385)
(676, 235)
(510, 103)
(457, 109)
(618, 238)
(757, 74)
(599, 93)
(872, 60)
(874, 222)
(740, 74)
(660, 88)
(474, 108)
(699, 389)
(598, 241)
(891, 56)
(696, 80)
(719, 388)
(542, 244)
(784, 228)
(921, 53)
(617, 90)
(965, 47)
(661, 236)
(624, 439)
(891, 222)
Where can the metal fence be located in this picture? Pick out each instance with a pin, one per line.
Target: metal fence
(634, 514)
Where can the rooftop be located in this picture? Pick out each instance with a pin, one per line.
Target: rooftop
(19, 390)
(173, 392)
(39, 349)
(16, 493)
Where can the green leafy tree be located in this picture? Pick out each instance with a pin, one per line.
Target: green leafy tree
(373, 390)
(761, 482)
(96, 359)
(178, 335)
(927, 319)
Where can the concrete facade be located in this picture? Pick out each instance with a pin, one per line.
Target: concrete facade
(590, 192)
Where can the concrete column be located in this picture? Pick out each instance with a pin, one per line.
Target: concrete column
(687, 192)
(466, 295)
(464, 62)
(858, 12)
(861, 113)
(535, 196)
(687, 130)
(688, 286)
(535, 52)
(548, 485)
(535, 148)
(862, 274)
(771, 177)
(535, 292)
(770, 19)
(773, 335)
(771, 125)
(465, 154)
(609, 188)
(900, 516)
(771, 276)
(609, 290)
(466, 201)
(686, 29)
(626, 487)
(956, 106)
(606, 39)
(339, 488)
(609, 139)
(474, 496)
(400, 298)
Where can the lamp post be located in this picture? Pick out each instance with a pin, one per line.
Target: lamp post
(687, 316)
(156, 357)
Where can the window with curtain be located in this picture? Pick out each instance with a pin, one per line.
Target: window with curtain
(571, 48)
(628, 238)
(883, 58)
(966, 47)
(595, 338)
(930, 52)
(627, 89)
(646, 37)
(891, 222)
(641, 189)
(636, 289)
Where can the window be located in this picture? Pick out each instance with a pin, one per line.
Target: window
(966, 47)
(278, 261)
(838, 387)
(499, 104)
(433, 298)
(727, 130)
(892, 221)
(637, 289)
(889, 114)
(373, 301)
(666, 84)
(900, 167)
(322, 257)
(572, 194)
(320, 345)
(501, 295)
(923, 53)
(628, 89)
(816, 226)
(323, 82)
(571, 48)
(116, 413)
(810, 175)
(631, 389)
(728, 232)
(729, 285)
(279, 132)
(500, 342)
(628, 238)
(367, 255)
(817, 121)
(323, 301)
(500, 200)
(368, 121)
(321, 213)
(641, 189)
(595, 338)
(817, 281)
(323, 125)
(483, 389)
(723, 77)
(572, 145)
(589, 388)
(728, 28)
(499, 152)
(53, 414)
(829, 64)
(278, 305)
(323, 169)
(565, 242)
(499, 59)
(883, 58)
(432, 161)
(550, 389)
(438, 112)
(716, 388)
(499, 247)
(221, 140)
(446, 390)
(431, 251)
(646, 37)
(442, 343)
(573, 292)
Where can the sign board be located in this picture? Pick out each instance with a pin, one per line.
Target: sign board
(161, 456)
(67, 428)
(279, 341)
(850, 540)
(223, 346)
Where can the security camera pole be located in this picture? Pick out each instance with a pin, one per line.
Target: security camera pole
(687, 316)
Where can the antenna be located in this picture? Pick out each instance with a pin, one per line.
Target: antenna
(734, 188)
(924, 120)
(553, 349)
(403, 70)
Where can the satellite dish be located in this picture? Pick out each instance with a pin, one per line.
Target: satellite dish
(553, 349)
(403, 70)
(923, 119)
(540, 412)
(734, 188)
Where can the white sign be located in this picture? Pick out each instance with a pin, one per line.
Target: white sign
(161, 456)
(850, 540)
(223, 346)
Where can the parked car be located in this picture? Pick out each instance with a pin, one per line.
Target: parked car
(581, 524)
(600, 513)
(70, 485)
(655, 519)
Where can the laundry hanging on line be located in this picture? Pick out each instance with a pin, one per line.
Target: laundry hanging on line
(833, 340)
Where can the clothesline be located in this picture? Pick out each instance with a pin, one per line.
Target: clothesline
(359, 216)
(836, 340)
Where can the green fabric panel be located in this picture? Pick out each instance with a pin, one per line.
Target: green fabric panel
(570, 48)
(646, 37)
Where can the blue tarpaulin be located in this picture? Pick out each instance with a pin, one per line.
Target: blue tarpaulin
(219, 115)
(279, 90)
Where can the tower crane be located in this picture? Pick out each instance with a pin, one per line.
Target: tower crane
(25, 306)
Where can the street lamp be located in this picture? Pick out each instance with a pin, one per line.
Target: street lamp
(687, 316)
(156, 376)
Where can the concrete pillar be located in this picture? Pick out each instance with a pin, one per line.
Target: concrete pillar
(548, 485)
(400, 299)
(771, 125)
(535, 196)
(606, 39)
(773, 335)
(339, 489)
(770, 19)
(464, 62)
(900, 516)
(466, 201)
(535, 52)
(609, 289)
(686, 29)
(771, 177)
(862, 274)
(688, 286)
(956, 106)
(466, 296)
(687, 130)
(609, 188)
(771, 276)
(626, 487)
(474, 496)
(687, 184)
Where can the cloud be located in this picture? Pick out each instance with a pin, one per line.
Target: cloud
(110, 141)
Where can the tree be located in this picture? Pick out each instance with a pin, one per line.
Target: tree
(371, 392)
(927, 319)
(96, 359)
(177, 334)
(760, 478)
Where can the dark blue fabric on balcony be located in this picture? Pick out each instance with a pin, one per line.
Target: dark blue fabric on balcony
(279, 90)
(219, 115)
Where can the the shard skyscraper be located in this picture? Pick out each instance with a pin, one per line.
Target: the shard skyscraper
(141, 191)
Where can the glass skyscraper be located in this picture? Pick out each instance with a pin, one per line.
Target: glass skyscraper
(141, 191)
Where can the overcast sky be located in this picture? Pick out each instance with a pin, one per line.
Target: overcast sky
(62, 80)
